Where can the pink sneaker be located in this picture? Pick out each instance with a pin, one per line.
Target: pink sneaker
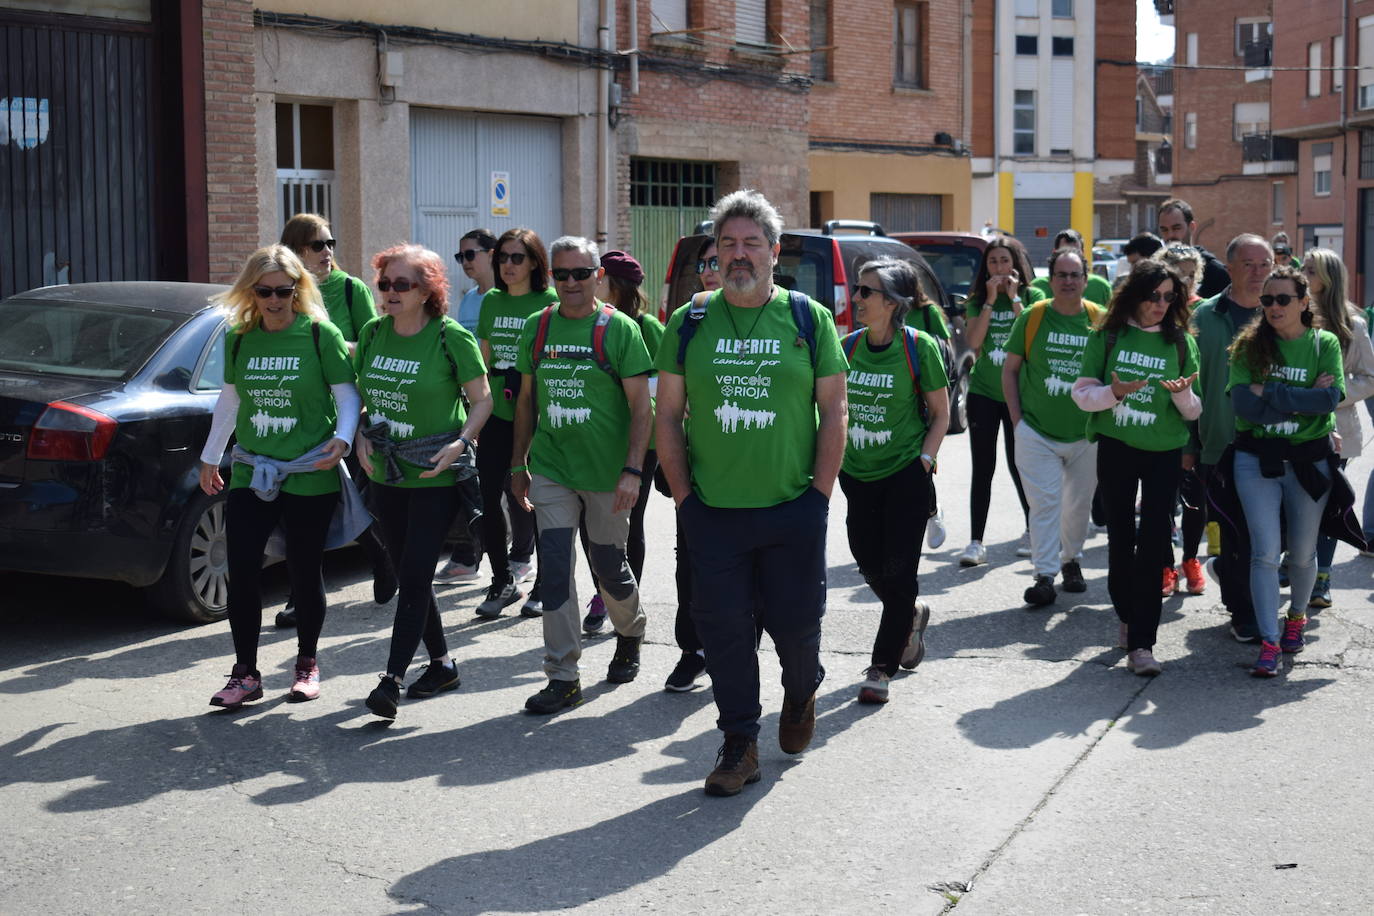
(241, 688)
(307, 683)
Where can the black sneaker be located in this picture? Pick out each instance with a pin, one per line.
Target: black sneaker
(1072, 575)
(499, 597)
(556, 695)
(286, 619)
(433, 679)
(533, 606)
(684, 677)
(384, 697)
(1042, 592)
(1244, 631)
(384, 584)
(625, 663)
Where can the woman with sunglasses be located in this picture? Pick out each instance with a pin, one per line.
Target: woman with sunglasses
(999, 293)
(1285, 382)
(896, 426)
(348, 303)
(474, 256)
(415, 366)
(521, 289)
(1137, 383)
(289, 400)
(1326, 285)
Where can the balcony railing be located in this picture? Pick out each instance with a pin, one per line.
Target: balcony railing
(1268, 148)
(1259, 54)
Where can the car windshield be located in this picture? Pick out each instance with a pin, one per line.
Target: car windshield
(954, 265)
(803, 270)
(80, 338)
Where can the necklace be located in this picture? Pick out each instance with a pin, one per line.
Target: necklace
(753, 327)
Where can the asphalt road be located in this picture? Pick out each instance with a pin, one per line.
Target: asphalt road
(1019, 769)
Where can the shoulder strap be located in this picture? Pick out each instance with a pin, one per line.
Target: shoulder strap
(603, 322)
(850, 343)
(348, 295)
(443, 345)
(1181, 344)
(805, 319)
(1107, 355)
(685, 331)
(1037, 315)
(913, 359)
(1094, 312)
(315, 339)
(234, 351)
(541, 335)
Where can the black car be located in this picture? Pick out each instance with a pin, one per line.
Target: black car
(106, 394)
(825, 265)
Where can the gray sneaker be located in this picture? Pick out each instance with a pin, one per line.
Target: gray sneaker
(916, 642)
(499, 597)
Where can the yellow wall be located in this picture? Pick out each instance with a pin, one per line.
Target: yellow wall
(1081, 210)
(1006, 202)
(548, 20)
(847, 179)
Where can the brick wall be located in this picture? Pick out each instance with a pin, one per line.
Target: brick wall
(230, 135)
(1114, 119)
(982, 139)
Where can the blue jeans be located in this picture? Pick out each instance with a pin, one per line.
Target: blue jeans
(1262, 497)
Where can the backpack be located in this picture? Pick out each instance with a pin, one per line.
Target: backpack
(801, 315)
(1037, 315)
(443, 345)
(598, 354)
(913, 360)
(945, 347)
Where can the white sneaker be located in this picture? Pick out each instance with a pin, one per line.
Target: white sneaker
(936, 531)
(975, 554)
(1023, 546)
(521, 571)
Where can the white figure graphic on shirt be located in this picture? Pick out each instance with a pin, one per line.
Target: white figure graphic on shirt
(399, 430)
(1126, 415)
(265, 424)
(560, 415)
(862, 438)
(732, 415)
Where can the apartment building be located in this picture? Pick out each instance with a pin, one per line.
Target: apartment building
(1053, 115)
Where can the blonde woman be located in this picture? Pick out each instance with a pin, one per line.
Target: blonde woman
(289, 399)
(1327, 283)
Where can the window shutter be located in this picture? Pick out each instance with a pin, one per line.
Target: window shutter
(751, 22)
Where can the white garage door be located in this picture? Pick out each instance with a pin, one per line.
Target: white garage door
(453, 157)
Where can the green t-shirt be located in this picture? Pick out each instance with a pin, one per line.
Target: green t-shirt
(930, 319)
(500, 324)
(285, 405)
(1146, 419)
(408, 382)
(751, 421)
(1049, 370)
(582, 417)
(1303, 360)
(886, 429)
(1096, 290)
(986, 377)
(349, 319)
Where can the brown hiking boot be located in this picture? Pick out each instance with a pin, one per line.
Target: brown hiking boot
(737, 765)
(796, 725)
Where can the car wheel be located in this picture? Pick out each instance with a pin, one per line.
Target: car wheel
(195, 585)
(958, 402)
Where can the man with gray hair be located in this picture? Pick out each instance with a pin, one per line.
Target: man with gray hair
(582, 421)
(1216, 322)
(750, 369)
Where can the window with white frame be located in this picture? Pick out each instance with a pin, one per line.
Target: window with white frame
(668, 16)
(1321, 169)
(1028, 8)
(1249, 32)
(1190, 130)
(908, 24)
(1364, 99)
(1277, 204)
(1314, 68)
(1190, 55)
(1061, 9)
(305, 160)
(1250, 118)
(1337, 62)
(1023, 123)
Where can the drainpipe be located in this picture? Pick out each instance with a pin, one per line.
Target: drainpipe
(603, 126)
(634, 47)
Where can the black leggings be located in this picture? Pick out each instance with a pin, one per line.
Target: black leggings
(985, 417)
(414, 522)
(249, 522)
(493, 469)
(1135, 557)
(887, 523)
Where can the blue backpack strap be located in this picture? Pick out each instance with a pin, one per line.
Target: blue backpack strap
(913, 359)
(851, 343)
(805, 319)
(696, 311)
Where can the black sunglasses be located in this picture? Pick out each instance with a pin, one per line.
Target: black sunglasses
(1157, 296)
(470, 255)
(267, 292)
(320, 245)
(579, 274)
(1281, 299)
(863, 292)
(517, 258)
(711, 263)
(400, 284)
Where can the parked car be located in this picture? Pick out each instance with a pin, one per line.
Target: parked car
(106, 394)
(954, 256)
(825, 264)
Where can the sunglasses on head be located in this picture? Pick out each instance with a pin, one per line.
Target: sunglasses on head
(517, 257)
(320, 245)
(470, 255)
(1158, 296)
(863, 292)
(400, 284)
(711, 263)
(1283, 299)
(561, 274)
(267, 292)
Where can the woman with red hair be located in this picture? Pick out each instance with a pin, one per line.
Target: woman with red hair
(413, 365)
